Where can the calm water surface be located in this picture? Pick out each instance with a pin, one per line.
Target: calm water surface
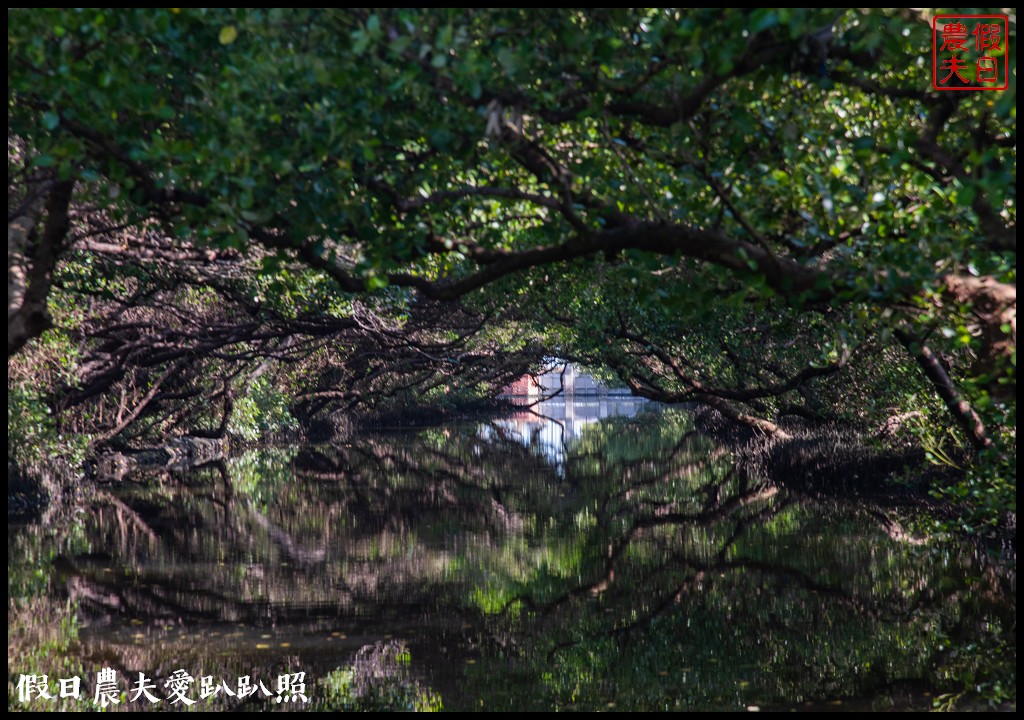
(594, 555)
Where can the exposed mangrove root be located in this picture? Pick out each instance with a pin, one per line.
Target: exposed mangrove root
(180, 453)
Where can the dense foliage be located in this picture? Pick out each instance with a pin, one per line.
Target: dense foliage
(768, 211)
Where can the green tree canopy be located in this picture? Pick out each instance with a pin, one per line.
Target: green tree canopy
(653, 181)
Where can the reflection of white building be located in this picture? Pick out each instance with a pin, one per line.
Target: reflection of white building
(551, 425)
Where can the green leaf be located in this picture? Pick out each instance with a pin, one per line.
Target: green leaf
(508, 61)
(228, 34)
(376, 282)
(965, 195)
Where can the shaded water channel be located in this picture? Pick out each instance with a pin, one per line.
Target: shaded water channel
(553, 559)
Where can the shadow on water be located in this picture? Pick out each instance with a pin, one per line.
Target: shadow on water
(555, 559)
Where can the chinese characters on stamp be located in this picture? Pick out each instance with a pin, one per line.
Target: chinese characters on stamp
(970, 52)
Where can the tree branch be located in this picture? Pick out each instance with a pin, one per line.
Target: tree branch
(958, 407)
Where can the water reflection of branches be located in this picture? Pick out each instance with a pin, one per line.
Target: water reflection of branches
(367, 474)
(126, 517)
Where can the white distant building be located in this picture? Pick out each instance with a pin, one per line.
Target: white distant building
(564, 377)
